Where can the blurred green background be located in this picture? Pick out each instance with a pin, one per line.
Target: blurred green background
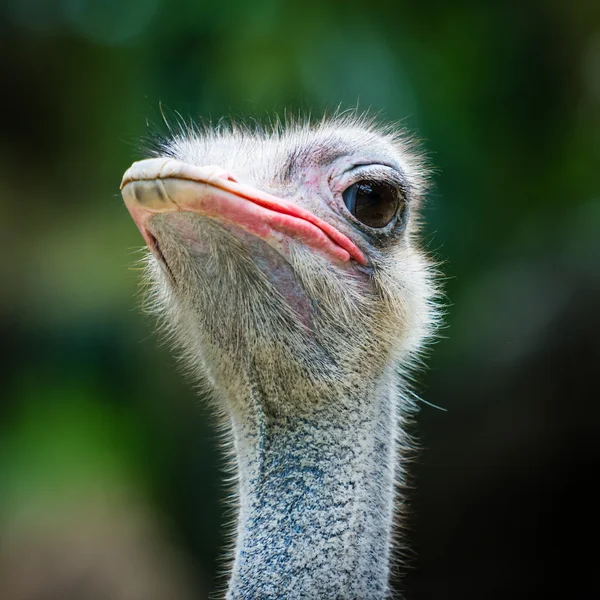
(109, 464)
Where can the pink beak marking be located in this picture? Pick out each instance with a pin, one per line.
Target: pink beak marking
(159, 185)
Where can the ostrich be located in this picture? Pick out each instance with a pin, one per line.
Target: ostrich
(286, 265)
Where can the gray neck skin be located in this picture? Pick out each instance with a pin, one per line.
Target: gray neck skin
(316, 498)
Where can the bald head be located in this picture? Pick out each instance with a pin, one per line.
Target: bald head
(281, 157)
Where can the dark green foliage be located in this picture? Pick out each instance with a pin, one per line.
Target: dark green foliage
(505, 97)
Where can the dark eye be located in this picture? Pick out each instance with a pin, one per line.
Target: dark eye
(374, 203)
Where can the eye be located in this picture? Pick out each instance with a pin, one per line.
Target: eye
(374, 203)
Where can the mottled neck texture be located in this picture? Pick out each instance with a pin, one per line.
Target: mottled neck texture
(316, 498)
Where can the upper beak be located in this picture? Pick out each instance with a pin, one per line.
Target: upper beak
(159, 185)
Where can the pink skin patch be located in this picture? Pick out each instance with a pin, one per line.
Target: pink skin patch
(162, 185)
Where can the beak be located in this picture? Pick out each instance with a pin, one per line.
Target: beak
(163, 185)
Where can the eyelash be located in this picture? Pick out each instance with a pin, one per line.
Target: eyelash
(376, 173)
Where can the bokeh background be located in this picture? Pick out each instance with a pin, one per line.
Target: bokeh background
(109, 464)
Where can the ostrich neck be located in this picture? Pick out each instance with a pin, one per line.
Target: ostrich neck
(316, 497)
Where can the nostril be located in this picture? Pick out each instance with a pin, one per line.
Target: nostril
(227, 177)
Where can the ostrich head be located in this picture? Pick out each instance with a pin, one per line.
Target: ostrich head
(286, 265)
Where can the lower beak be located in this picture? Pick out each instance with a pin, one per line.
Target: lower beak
(163, 185)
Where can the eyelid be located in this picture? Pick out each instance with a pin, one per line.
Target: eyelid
(383, 172)
(375, 165)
